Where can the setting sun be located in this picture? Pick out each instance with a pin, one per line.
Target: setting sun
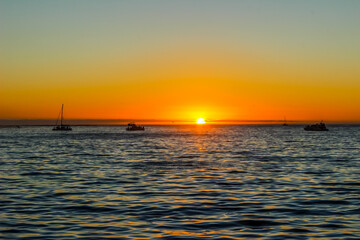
(200, 121)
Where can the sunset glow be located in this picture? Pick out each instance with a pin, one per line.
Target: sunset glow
(260, 60)
(182, 119)
(200, 121)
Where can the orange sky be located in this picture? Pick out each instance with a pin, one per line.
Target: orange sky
(140, 61)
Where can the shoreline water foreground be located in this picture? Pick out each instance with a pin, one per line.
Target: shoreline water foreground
(180, 182)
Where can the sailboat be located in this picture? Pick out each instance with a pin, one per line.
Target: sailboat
(285, 123)
(61, 126)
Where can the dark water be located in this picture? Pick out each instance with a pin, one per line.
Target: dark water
(180, 182)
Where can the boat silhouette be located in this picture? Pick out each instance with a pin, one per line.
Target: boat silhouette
(61, 126)
(285, 123)
(134, 127)
(316, 127)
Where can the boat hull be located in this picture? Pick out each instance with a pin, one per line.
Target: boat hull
(62, 129)
(318, 130)
(316, 127)
(137, 129)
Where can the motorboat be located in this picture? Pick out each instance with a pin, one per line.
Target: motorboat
(134, 127)
(316, 127)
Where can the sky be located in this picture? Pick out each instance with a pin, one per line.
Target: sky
(180, 60)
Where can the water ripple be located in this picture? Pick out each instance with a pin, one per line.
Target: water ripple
(180, 182)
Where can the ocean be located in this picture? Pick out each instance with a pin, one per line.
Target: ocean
(180, 182)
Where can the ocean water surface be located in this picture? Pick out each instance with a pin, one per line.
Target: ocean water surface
(180, 182)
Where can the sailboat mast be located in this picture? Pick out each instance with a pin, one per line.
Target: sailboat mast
(62, 112)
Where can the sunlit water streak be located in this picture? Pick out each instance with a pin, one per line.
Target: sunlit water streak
(180, 182)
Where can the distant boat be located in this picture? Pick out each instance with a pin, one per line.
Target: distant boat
(134, 127)
(61, 126)
(316, 127)
(285, 123)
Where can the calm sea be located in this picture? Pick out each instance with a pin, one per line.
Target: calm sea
(180, 182)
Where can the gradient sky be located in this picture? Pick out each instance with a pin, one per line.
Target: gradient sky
(180, 60)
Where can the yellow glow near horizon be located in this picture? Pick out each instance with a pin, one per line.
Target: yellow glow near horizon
(109, 62)
(200, 121)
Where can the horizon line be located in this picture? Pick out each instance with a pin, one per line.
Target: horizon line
(94, 121)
